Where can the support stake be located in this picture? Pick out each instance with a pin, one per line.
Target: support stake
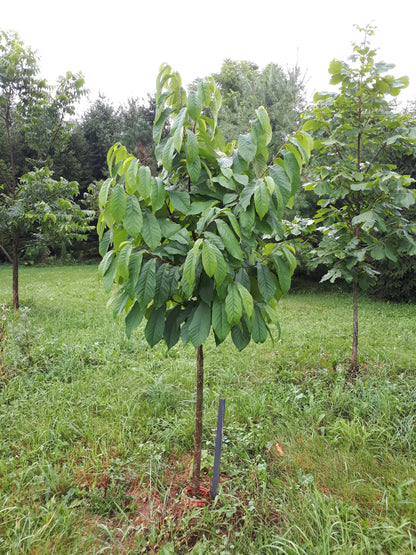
(218, 449)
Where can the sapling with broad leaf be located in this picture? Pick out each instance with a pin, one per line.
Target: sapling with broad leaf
(198, 247)
(362, 197)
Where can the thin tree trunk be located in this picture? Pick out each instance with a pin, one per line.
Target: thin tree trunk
(196, 471)
(15, 266)
(354, 353)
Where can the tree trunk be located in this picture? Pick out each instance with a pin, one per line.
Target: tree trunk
(354, 363)
(196, 471)
(15, 266)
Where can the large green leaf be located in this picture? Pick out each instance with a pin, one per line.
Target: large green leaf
(157, 194)
(261, 198)
(265, 124)
(135, 264)
(194, 105)
(220, 323)
(131, 176)
(283, 273)
(133, 318)
(240, 336)
(151, 231)
(163, 285)
(265, 281)
(144, 181)
(200, 324)
(103, 195)
(209, 258)
(246, 147)
(180, 200)
(221, 270)
(191, 147)
(123, 261)
(194, 169)
(189, 268)
(155, 326)
(118, 203)
(247, 299)
(233, 305)
(259, 329)
(229, 239)
(146, 283)
(282, 181)
(105, 263)
(167, 155)
(160, 123)
(172, 330)
(133, 219)
(110, 274)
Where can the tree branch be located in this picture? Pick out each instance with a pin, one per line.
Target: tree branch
(6, 254)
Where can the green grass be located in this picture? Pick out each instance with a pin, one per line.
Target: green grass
(96, 430)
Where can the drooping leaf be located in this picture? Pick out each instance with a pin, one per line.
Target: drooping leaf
(194, 105)
(155, 326)
(233, 305)
(240, 336)
(172, 330)
(200, 324)
(247, 299)
(151, 231)
(134, 267)
(261, 198)
(220, 323)
(191, 147)
(180, 200)
(133, 219)
(283, 273)
(123, 261)
(131, 176)
(194, 169)
(229, 239)
(167, 155)
(144, 181)
(105, 242)
(157, 194)
(259, 330)
(209, 258)
(103, 195)
(146, 283)
(133, 318)
(118, 202)
(189, 268)
(110, 274)
(246, 147)
(265, 281)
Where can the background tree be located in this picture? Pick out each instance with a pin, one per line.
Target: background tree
(362, 195)
(33, 121)
(188, 249)
(244, 87)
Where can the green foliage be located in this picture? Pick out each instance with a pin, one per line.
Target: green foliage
(35, 115)
(199, 245)
(44, 212)
(244, 87)
(362, 196)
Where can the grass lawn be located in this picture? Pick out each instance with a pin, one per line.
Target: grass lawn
(96, 431)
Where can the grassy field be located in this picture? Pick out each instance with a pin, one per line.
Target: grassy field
(96, 432)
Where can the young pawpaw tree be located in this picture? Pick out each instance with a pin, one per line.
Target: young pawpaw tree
(198, 247)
